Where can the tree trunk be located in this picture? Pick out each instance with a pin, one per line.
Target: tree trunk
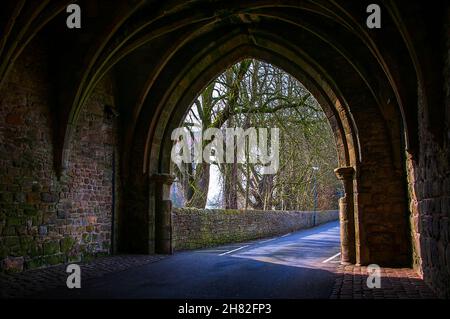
(200, 186)
(231, 196)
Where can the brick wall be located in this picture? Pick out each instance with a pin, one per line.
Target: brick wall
(45, 220)
(196, 228)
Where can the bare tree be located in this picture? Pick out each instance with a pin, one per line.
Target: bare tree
(253, 93)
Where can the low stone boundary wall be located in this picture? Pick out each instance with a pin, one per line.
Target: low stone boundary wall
(197, 228)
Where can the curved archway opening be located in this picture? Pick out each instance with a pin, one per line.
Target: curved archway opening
(360, 165)
(254, 145)
(160, 152)
(250, 99)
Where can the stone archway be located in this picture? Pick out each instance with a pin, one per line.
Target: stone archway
(359, 231)
(331, 103)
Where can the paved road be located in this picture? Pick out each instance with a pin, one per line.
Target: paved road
(290, 266)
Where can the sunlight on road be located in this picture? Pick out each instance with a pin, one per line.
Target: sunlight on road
(305, 249)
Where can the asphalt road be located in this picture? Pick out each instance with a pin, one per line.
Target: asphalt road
(296, 265)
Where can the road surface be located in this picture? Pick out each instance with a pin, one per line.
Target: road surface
(296, 265)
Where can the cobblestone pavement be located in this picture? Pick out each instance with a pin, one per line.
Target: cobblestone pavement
(28, 283)
(396, 283)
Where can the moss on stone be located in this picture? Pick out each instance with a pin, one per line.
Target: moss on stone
(74, 258)
(54, 259)
(30, 211)
(14, 221)
(67, 244)
(35, 250)
(86, 238)
(51, 247)
(3, 251)
(35, 263)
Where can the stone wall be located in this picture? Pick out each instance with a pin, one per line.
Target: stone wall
(429, 192)
(196, 228)
(44, 219)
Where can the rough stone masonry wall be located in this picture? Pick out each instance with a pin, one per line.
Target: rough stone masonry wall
(45, 220)
(429, 190)
(197, 228)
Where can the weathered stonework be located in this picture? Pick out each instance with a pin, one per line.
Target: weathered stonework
(45, 220)
(429, 193)
(197, 228)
